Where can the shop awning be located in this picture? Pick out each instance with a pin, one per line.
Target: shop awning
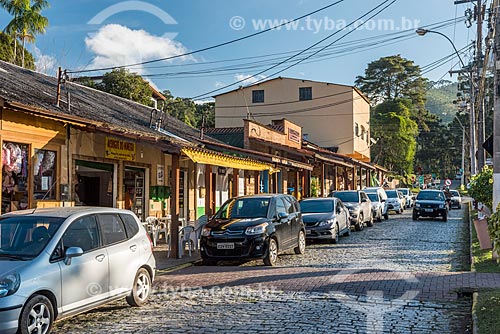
(223, 160)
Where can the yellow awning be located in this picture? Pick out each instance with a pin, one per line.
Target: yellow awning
(223, 160)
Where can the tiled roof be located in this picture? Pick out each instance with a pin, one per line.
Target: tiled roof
(37, 90)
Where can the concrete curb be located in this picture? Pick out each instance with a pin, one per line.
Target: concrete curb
(162, 272)
(474, 315)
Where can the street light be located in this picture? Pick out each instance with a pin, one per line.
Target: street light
(472, 117)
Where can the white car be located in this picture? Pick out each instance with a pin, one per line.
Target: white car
(456, 199)
(58, 262)
(408, 196)
(394, 202)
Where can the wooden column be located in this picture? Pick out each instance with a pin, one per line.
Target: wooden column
(334, 175)
(297, 180)
(306, 182)
(208, 191)
(256, 178)
(322, 181)
(236, 181)
(174, 205)
(354, 178)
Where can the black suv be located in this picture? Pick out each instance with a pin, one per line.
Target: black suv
(254, 227)
(430, 203)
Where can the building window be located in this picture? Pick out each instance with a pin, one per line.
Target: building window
(258, 96)
(362, 133)
(356, 129)
(305, 93)
(44, 173)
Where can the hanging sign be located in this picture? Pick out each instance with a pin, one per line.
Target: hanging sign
(119, 149)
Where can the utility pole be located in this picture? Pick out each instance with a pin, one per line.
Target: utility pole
(496, 113)
(481, 95)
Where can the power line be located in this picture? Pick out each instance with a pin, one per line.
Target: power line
(301, 52)
(213, 46)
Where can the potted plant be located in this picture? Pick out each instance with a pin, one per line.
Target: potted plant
(481, 189)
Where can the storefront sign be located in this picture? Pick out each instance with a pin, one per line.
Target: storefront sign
(119, 149)
(293, 135)
(160, 175)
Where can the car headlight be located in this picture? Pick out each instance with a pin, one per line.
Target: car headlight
(326, 223)
(259, 229)
(441, 206)
(206, 231)
(9, 284)
(417, 205)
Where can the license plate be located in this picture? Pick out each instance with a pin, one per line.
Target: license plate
(428, 210)
(227, 245)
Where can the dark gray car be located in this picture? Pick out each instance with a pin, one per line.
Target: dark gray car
(325, 218)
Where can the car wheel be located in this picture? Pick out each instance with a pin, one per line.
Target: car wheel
(37, 316)
(301, 244)
(414, 216)
(360, 224)
(272, 253)
(386, 216)
(141, 289)
(445, 217)
(370, 222)
(348, 231)
(379, 218)
(336, 235)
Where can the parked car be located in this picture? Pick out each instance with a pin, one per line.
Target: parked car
(359, 206)
(394, 201)
(430, 203)
(377, 206)
(254, 227)
(325, 218)
(59, 262)
(456, 199)
(408, 197)
(383, 197)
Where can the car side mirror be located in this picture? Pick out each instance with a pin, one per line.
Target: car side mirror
(71, 253)
(364, 200)
(383, 200)
(281, 216)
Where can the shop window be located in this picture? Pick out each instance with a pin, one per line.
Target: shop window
(15, 176)
(44, 175)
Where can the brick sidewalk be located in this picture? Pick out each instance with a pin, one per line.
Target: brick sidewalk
(435, 286)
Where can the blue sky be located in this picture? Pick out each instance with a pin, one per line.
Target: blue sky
(133, 31)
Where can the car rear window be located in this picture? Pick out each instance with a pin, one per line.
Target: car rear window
(373, 197)
(130, 224)
(112, 228)
(316, 206)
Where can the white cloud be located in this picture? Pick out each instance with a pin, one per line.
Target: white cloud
(248, 79)
(116, 45)
(45, 63)
(219, 84)
(203, 101)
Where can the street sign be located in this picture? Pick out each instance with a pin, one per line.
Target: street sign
(447, 182)
(421, 179)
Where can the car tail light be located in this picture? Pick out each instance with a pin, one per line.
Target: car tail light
(150, 242)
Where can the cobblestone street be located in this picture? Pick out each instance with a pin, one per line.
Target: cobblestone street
(399, 276)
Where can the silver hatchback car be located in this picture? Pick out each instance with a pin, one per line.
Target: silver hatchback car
(59, 262)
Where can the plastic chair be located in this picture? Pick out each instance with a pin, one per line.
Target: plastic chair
(198, 227)
(185, 237)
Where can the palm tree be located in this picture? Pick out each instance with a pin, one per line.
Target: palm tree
(27, 21)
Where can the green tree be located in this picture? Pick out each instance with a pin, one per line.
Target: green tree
(395, 77)
(183, 109)
(122, 82)
(27, 21)
(205, 115)
(7, 52)
(395, 132)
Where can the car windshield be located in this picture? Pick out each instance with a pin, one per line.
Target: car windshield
(430, 196)
(373, 197)
(316, 206)
(392, 193)
(347, 196)
(250, 207)
(455, 193)
(404, 191)
(24, 237)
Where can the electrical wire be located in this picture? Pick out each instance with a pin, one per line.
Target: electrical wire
(210, 47)
(308, 48)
